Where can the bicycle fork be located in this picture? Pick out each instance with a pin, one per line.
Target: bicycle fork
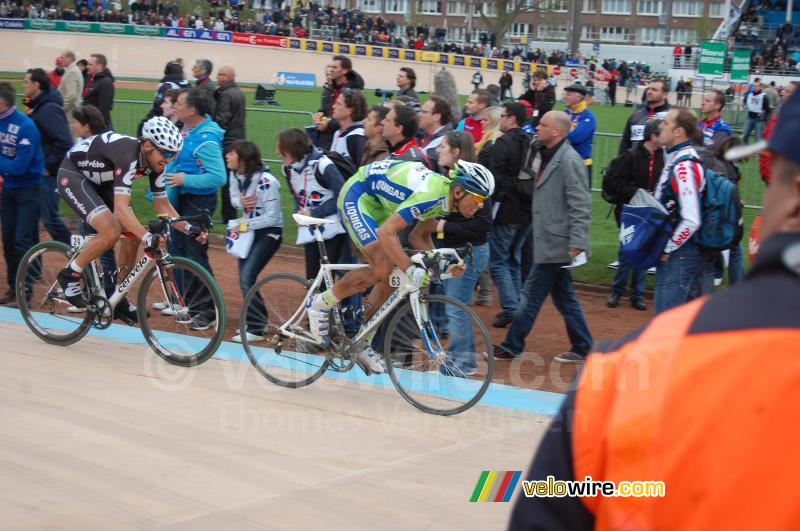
(419, 308)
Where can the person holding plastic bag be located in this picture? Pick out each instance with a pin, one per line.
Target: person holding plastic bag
(255, 236)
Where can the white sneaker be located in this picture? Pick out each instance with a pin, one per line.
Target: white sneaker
(160, 305)
(168, 310)
(250, 337)
(651, 271)
(614, 264)
(317, 321)
(372, 360)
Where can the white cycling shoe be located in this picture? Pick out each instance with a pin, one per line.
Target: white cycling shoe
(372, 359)
(317, 322)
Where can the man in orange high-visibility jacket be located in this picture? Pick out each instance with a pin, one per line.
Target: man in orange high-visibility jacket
(692, 399)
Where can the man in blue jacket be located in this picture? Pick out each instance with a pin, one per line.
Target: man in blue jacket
(194, 177)
(47, 112)
(21, 167)
(583, 124)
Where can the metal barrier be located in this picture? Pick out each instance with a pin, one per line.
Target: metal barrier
(606, 147)
(263, 125)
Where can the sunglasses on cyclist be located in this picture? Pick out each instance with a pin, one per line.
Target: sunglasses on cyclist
(478, 198)
(166, 154)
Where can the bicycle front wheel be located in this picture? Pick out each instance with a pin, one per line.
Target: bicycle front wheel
(282, 360)
(181, 312)
(443, 369)
(41, 300)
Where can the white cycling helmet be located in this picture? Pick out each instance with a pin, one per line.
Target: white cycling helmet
(474, 177)
(163, 133)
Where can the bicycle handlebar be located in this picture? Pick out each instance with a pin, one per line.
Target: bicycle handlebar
(160, 225)
(440, 261)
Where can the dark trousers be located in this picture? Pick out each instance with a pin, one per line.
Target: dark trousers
(48, 205)
(19, 216)
(183, 245)
(589, 175)
(266, 242)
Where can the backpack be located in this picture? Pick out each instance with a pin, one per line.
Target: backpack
(526, 178)
(608, 191)
(721, 224)
(346, 166)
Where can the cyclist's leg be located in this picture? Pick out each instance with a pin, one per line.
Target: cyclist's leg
(86, 200)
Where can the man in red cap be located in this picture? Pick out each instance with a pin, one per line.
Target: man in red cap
(56, 73)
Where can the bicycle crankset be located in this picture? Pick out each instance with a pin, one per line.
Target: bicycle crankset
(101, 312)
(339, 354)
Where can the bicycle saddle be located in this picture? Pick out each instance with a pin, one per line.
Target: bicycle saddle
(307, 221)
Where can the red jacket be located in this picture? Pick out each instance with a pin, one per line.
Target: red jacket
(765, 158)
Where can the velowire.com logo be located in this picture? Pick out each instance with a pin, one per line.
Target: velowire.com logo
(494, 486)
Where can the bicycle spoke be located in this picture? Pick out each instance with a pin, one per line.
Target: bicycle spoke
(184, 316)
(431, 372)
(44, 311)
(267, 307)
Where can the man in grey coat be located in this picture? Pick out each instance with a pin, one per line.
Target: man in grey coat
(562, 213)
(71, 86)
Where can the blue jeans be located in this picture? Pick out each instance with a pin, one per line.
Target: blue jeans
(183, 245)
(751, 125)
(19, 216)
(505, 245)
(264, 247)
(48, 206)
(544, 280)
(638, 276)
(686, 275)
(736, 265)
(462, 340)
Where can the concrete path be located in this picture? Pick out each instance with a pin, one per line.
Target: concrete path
(104, 435)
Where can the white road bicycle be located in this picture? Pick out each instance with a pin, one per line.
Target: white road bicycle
(428, 342)
(180, 288)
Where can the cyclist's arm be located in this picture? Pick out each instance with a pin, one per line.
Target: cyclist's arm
(387, 236)
(164, 208)
(421, 235)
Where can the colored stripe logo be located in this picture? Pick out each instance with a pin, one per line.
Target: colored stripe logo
(494, 486)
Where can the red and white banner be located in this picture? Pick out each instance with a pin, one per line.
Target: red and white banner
(260, 40)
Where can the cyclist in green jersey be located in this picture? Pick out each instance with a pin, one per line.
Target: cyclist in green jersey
(376, 204)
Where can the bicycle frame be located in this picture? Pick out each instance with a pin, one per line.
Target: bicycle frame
(139, 269)
(396, 280)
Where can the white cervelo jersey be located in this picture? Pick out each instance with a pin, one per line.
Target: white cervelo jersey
(310, 194)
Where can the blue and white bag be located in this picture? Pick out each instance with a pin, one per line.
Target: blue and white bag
(645, 229)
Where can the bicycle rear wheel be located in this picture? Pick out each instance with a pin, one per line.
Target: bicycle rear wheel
(181, 312)
(282, 360)
(442, 383)
(41, 300)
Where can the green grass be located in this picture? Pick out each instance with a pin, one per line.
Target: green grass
(263, 124)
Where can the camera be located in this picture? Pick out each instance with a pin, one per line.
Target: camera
(385, 94)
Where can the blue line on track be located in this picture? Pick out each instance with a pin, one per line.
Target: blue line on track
(499, 395)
